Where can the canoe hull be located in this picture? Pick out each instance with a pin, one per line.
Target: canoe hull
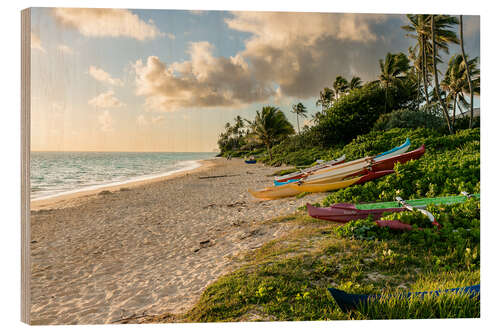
(276, 192)
(348, 302)
(403, 158)
(315, 187)
(344, 213)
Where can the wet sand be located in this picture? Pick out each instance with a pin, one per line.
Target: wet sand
(149, 247)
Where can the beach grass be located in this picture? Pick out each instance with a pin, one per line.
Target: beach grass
(287, 280)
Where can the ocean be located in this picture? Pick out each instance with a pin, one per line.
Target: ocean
(58, 173)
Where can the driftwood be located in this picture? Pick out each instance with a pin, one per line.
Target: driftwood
(221, 176)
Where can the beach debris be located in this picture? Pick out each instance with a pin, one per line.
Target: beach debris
(219, 176)
(237, 203)
(123, 189)
(254, 232)
(209, 206)
(105, 192)
(204, 244)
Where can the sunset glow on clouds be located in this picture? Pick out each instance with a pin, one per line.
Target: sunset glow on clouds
(130, 74)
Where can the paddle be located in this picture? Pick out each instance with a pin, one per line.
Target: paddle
(411, 208)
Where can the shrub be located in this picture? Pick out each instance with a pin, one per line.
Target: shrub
(405, 118)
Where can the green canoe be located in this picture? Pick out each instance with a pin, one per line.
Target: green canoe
(417, 203)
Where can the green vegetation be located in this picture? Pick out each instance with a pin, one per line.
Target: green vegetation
(450, 165)
(287, 279)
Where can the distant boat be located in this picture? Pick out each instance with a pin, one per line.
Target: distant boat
(250, 161)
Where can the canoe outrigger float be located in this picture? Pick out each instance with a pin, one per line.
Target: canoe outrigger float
(333, 164)
(348, 302)
(345, 212)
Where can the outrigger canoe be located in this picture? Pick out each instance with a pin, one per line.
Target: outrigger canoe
(301, 173)
(325, 187)
(345, 212)
(360, 169)
(329, 166)
(348, 302)
(393, 153)
(292, 189)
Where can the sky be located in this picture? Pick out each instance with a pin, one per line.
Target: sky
(169, 80)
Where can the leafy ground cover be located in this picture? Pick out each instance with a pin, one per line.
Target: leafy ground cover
(287, 279)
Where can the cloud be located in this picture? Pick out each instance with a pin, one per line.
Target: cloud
(144, 121)
(65, 49)
(101, 75)
(105, 121)
(287, 55)
(170, 35)
(203, 81)
(106, 100)
(96, 22)
(304, 52)
(36, 43)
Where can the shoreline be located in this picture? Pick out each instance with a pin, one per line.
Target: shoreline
(66, 199)
(152, 249)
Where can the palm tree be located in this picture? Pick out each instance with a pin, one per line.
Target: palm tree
(392, 72)
(420, 29)
(418, 26)
(271, 125)
(300, 110)
(340, 85)
(355, 83)
(434, 67)
(455, 82)
(469, 81)
(325, 98)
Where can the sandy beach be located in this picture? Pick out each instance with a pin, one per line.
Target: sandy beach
(149, 247)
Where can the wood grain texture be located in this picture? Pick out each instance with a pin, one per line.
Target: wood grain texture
(25, 163)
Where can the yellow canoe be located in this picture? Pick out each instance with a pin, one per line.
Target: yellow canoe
(275, 192)
(313, 188)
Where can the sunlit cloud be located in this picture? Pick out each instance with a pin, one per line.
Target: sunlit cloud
(101, 75)
(105, 121)
(202, 81)
(288, 55)
(97, 22)
(36, 43)
(106, 100)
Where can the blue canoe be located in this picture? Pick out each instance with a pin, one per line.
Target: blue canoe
(404, 145)
(377, 158)
(348, 302)
(250, 161)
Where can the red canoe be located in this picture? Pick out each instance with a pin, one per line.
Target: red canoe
(403, 158)
(345, 212)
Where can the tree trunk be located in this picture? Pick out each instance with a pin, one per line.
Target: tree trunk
(424, 70)
(454, 111)
(269, 151)
(385, 108)
(436, 82)
(298, 126)
(418, 88)
(467, 71)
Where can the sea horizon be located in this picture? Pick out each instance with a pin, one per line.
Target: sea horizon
(56, 173)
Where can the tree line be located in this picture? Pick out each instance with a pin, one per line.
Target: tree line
(415, 76)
